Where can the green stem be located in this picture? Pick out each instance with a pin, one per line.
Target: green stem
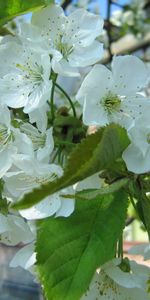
(52, 103)
(59, 155)
(55, 155)
(68, 98)
(133, 204)
(120, 247)
(52, 97)
(64, 143)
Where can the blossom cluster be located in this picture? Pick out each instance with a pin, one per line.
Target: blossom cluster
(52, 48)
(132, 18)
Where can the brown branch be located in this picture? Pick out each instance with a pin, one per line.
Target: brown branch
(126, 45)
(66, 3)
(129, 221)
(109, 29)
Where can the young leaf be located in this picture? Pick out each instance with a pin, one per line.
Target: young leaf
(10, 9)
(70, 249)
(97, 152)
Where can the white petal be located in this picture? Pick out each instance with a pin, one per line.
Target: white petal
(39, 116)
(30, 32)
(104, 288)
(4, 226)
(62, 67)
(91, 182)
(24, 258)
(86, 56)
(124, 279)
(43, 154)
(67, 205)
(66, 208)
(84, 27)
(132, 109)
(38, 97)
(19, 231)
(129, 74)
(17, 184)
(23, 143)
(98, 82)
(112, 283)
(135, 161)
(14, 92)
(5, 115)
(6, 159)
(8, 53)
(43, 209)
(50, 20)
(94, 114)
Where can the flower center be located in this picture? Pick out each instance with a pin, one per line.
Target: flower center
(64, 48)
(33, 72)
(111, 102)
(38, 139)
(5, 136)
(40, 180)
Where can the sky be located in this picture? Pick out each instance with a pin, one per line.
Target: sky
(103, 6)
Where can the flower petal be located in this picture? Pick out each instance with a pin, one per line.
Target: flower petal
(129, 74)
(86, 56)
(97, 83)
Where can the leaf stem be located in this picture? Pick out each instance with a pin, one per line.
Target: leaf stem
(52, 98)
(120, 247)
(67, 96)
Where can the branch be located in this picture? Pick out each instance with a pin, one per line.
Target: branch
(109, 29)
(66, 3)
(126, 45)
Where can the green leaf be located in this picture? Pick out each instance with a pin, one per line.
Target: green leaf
(3, 201)
(92, 193)
(97, 152)
(70, 249)
(10, 9)
(145, 204)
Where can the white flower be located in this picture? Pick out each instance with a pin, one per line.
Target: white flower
(112, 283)
(43, 143)
(137, 154)
(128, 17)
(7, 148)
(113, 96)
(14, 230)
(25, 258)
(24, 77)
(12, 141)
(116, 18)
(71, 39)
(39, 116)
(30, 174)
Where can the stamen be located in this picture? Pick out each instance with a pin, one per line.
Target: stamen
(111, 102)
(5, 136)
(34, 73)
(38, 139)
(40, 180)
(64, 48)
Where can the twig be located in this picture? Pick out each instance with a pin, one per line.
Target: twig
(65, 4)
(109, 28)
